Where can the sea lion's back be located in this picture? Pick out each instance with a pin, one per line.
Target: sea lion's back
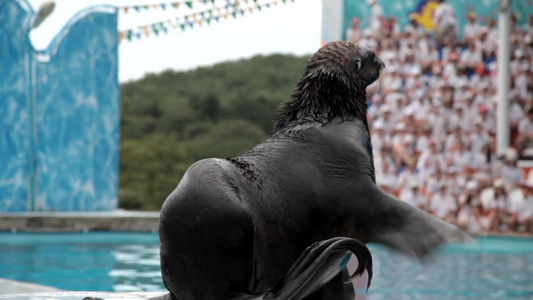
(206, 235)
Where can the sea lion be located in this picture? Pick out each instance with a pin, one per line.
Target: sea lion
(233, 227)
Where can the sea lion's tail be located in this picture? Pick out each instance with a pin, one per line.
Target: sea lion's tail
(316, 266)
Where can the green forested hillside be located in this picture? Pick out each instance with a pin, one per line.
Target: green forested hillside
(173, 119)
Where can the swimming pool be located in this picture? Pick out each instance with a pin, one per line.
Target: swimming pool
(495, 267)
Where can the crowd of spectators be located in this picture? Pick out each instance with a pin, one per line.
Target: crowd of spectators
(433, 123)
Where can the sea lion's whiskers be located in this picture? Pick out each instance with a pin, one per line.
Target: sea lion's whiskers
(380, 82)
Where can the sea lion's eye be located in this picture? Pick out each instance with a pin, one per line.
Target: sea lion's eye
(357, 63)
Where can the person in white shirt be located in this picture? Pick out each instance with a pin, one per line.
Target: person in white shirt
(387, 119)
(408, 175)
(445, 23)
(376, 18)
(479, 137)
(428, 58)
(413, 73)
(481, 161)
(523, 78)
(492, 33)
(378, 137)
(470, 58)
(525, 216)
(420, 104)
(486, 46)
(449, 71)
(488, 120)
(496, 205)
(479, 79)
(393, 82)
(402, 144)
(437, 119)
(470, 217)
(454, 181)
(511, 175)
(454, 136)
(354, 33)
(430, 160)
(457, 157)
(525, 131)
(369, 40)
(515, 205)
(433, 182)
(422, 140)
(461, 78)
(472, 29)
(413, 195)
(516, 112)
(470, 108)
(529, 25)
(388, 53)
(460, 120)
(383, 162)
(515, 63)
(394, 28)
(443, 205)
(413, 27)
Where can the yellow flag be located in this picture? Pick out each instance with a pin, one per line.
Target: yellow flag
(126, 8)
(251, 9)
(225, 16)
(146, 31)
(120, 36)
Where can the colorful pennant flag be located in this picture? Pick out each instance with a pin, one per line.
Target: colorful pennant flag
(198, 17)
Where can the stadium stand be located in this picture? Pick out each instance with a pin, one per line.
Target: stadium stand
(433, 123)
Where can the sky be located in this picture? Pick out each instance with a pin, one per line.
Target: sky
(292, 28)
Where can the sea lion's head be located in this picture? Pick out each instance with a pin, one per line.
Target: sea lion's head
(349, 63)
(333, 85)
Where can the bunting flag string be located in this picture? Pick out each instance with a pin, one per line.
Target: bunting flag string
(190, 20)
(176, 4)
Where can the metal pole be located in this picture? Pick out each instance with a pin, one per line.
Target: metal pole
(504, 77)
(32, 157)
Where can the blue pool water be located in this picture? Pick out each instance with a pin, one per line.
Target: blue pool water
(493, 268)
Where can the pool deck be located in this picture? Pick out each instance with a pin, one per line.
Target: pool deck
(11, 286)
(16, 290)
(81, 295)
(118, 220)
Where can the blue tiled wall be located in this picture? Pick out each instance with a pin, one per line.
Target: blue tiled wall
(76, 113)
(14, 99)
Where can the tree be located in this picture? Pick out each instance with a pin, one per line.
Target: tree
(172, 119)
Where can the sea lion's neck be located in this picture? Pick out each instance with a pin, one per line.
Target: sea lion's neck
(320, 99)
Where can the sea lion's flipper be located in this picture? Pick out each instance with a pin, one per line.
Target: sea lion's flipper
(399, 225)
(320, 263)
(315, 267)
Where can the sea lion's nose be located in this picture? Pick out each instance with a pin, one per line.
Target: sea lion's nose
(367, 53)
(378, 61)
